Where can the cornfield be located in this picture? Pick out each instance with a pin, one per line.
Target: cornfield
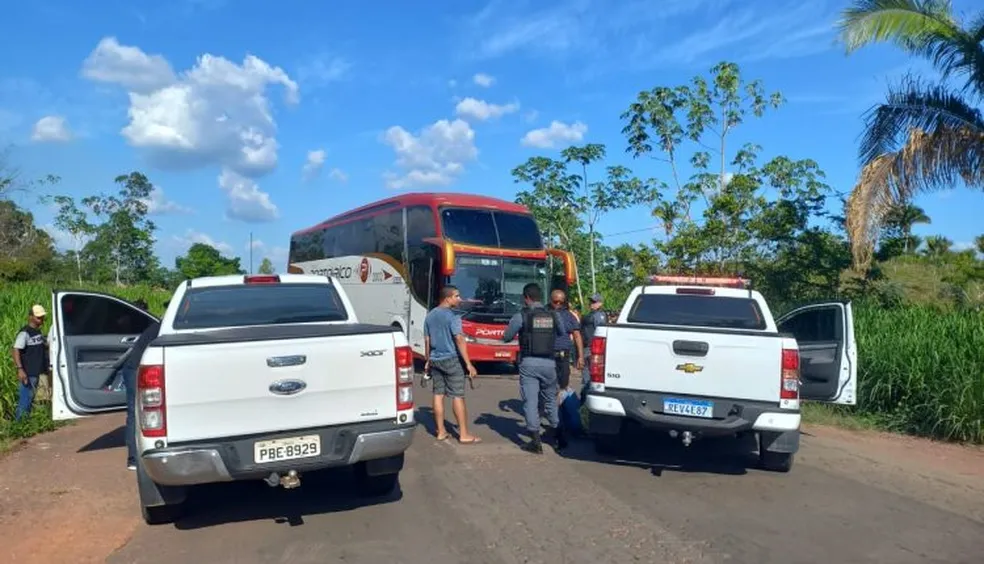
(920, 370)
(16, 299)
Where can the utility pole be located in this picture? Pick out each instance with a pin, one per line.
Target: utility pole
(251, 252)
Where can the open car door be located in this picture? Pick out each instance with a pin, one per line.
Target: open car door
(828, 351)
(89, 335)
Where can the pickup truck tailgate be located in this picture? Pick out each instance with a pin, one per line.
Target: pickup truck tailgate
(220, 389)
(657, 359)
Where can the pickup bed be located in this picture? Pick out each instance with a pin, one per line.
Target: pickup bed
(709, 360)
(264, 377)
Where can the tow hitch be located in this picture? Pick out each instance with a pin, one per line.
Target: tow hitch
(686, 436)
(288, 481)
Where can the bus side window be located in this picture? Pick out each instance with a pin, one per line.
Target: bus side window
(423, 274)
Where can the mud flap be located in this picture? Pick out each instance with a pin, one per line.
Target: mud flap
(155, 495)
(384, 466)
(787, 442)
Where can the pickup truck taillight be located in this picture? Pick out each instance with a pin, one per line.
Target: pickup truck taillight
(404, 378)
(596, 368)
(150, 400)
(789, 385)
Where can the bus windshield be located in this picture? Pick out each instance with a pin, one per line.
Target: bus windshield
(492, 287)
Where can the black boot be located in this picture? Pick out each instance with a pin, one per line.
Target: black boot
(535, 445)
(561, 438)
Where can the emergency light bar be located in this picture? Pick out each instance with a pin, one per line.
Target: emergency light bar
(740, 283)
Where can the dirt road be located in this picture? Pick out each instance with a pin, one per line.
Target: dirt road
(67, 498)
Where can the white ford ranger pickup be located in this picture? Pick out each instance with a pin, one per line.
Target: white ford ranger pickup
(260, 377)
(703, 357)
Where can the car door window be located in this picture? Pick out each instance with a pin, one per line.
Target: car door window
(813, 326)
(98, 315)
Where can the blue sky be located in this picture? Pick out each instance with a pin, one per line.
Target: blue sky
(267, 117)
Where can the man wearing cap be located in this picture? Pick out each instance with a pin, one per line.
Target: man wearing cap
(30, 355)
(594, 319)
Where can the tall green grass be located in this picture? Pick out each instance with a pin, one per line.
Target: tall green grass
(921, 370)
(17, 298)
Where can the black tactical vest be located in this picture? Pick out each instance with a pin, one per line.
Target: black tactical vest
(539, 333)
(34, 357)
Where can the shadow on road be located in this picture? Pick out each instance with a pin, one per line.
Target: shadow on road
(509, 426)
(108, 440)
(659, 453)
(328, 491)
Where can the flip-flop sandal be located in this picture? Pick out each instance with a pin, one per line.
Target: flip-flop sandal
(445, 437)
(474, 440)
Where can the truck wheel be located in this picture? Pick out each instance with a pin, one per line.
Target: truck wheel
(161, 514)
(375, 486)
(776, 461)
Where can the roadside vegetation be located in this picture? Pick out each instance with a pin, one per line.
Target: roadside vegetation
(718, 206)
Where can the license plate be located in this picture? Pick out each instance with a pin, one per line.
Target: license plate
(689, 408)
(501, 354)
(290, 448)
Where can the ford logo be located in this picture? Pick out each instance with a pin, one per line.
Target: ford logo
(287, 387)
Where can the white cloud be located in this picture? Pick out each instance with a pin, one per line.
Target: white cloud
(338, 174)
(192, 236)
(277, 255)
(434, 157)
(215, 113)
(51, 129)
(158, 204)
(314, 163)
(63, 240)
(481, 110)
(246, 201)
(483, 80)
(556, 132)
(127, 66)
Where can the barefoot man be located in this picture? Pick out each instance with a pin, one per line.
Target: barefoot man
(443, 341)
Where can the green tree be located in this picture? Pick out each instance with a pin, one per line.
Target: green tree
(26, 251)
(926, 136)
(266, 267)
(75, 222)
(979, 244)
(747, 210)
(619, 191)
(123, 242)
(205, 260)
(937, 246)
(900, 220)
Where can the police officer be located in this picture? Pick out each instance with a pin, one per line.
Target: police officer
(538, 329)
(589, 324)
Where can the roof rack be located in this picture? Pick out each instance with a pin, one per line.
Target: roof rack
(720, 282)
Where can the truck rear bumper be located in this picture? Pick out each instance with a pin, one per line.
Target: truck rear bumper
(230, 459)
(727, 415)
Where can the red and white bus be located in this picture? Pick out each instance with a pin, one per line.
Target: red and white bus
(393, 257)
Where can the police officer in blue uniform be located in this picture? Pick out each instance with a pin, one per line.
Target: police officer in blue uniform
(538, 329)
(590, 322)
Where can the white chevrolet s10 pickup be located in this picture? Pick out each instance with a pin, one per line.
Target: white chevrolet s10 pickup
(704, 357)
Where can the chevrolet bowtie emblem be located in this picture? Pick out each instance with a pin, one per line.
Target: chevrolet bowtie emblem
(689, 368)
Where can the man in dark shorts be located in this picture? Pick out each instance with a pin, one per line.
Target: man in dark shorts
(443, 342)
(562, 347)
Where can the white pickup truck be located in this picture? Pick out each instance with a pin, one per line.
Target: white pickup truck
(250, 377)
(703, 356)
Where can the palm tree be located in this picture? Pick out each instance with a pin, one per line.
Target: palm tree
(903, 217)
(925, 136)
(937, 245)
